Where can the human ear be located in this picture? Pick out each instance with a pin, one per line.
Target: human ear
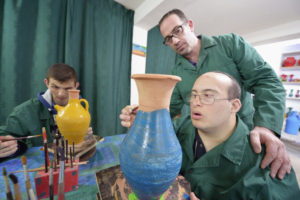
(191, 25)
(235, 105)
(76, 85)
(46, 82)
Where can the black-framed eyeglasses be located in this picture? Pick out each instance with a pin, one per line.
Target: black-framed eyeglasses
(176, 32)
(206, 99)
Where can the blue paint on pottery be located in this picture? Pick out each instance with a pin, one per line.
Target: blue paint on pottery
(42, 195)
(150, 155)
(38, 181)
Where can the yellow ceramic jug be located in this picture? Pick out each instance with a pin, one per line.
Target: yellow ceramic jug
(73, 120)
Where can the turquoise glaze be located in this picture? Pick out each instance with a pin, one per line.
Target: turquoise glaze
(150, 155)
(292, 123)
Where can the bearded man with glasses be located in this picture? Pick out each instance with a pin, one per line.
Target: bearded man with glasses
(229, 53)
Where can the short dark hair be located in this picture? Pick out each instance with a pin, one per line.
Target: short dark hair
(234, 91)
(177, 12)
(61, 72)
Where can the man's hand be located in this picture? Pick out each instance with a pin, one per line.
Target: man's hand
(90, 131)
(275, 151)
(128, 114)
(193, 196)
(7, 148)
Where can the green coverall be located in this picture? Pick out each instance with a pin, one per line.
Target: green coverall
(231, 170)
(231, 54)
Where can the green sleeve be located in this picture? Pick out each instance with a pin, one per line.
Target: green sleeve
(13, 125)
(259, 78)
(28, 119)
(176, 103)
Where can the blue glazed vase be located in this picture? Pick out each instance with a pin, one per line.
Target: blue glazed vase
(150, 155)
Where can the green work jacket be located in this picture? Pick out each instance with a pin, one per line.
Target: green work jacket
(231, 54)
(231, 170)
(27, 119)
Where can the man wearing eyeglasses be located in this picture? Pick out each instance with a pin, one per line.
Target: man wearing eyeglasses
(217, 157)
(231, 54)
(227, 168)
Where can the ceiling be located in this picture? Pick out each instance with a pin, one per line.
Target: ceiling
(257, 20)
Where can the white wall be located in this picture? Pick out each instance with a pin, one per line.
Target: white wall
(272, 53)
(138, 63)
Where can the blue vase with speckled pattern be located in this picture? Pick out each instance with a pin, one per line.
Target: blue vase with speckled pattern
(150, 155)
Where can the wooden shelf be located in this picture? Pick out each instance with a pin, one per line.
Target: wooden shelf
(290, 68)
(293, 98)
(291, 83)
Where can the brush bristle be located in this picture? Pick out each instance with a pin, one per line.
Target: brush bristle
(13, 178)
(43, 129)
(24, 160)
(4, 171)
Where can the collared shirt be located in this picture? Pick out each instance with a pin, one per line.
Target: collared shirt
(231, 170)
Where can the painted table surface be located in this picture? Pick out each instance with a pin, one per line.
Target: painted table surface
(107, 155)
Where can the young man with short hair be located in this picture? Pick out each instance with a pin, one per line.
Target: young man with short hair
(29, 117)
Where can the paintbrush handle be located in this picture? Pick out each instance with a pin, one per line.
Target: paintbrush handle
(61, 192)
(51, 193)
(9, 196)
(18, 138)
(18, 195)
(46, 157)
(61, 189)
(30, 192)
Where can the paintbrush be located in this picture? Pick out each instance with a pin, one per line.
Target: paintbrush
(66, 151)
(61, 188)
(45, 149)
(30, 192)
(43, 168)
(71, 157)
(7, 188)
(51, 181)
(14, 179)
(57, 136)
(2, 139)
(54, 153)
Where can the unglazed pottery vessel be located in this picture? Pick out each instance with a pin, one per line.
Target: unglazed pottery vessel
(73, 120)
(150, 155)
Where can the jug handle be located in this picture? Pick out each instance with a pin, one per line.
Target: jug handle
(85, 103)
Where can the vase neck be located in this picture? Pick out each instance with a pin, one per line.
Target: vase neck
(73, 94)
(155, 91)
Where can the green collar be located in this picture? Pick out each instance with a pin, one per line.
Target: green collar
(232, 149)
(206, 42)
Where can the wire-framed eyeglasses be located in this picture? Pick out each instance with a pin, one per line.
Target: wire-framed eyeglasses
(206, 99)
(176, 32)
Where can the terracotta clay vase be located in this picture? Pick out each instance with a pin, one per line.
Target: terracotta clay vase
(150, 154)
(73, 120)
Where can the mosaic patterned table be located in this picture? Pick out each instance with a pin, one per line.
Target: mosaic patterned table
(107, 155)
